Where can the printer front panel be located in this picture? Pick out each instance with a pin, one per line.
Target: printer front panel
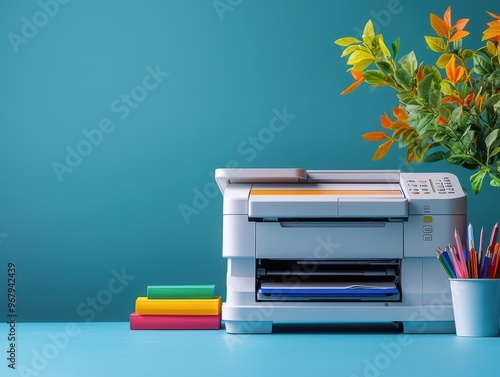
(329, 240)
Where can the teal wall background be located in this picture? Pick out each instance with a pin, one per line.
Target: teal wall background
(153, 96)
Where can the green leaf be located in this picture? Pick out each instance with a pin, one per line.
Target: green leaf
(384, 67)
(476, 181)
(349, 50)
(374, 77)
(457, 45)
(467, 54)
(467, 138)
(409, 63)
(439, 137)
(495, 151)
(491, 138)
(495, 181)
(437, 75)
(435, 98)
(436, 44)
(424, 87)
(445, 112)
(481, 65)
(464, 89)
(458, 159)
(436, 156)
(358, 56)
(456, 114)
(425, 124)
(446, 88)
(383, 47)
(403, 78)
(361, 65)
(395, 48)
(492, 101)
(414, 110)
(368, 33)
(483, 50)
(494, 78)
(346, 41)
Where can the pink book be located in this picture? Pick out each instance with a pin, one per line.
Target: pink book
(174, 322)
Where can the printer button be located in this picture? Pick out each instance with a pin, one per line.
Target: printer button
(427, 229)
(427, 237)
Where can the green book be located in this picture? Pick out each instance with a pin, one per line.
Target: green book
(180, 291)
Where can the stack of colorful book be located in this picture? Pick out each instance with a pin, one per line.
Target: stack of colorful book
(177, 307)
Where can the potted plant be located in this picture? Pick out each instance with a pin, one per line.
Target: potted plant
(447, 111)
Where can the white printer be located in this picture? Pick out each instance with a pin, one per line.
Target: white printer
(311, 246)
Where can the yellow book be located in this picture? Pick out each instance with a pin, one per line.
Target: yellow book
(145, 306)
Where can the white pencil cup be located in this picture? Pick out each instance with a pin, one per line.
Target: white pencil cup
(476, 306)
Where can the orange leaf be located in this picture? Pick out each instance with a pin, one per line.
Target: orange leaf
(399, 124)
(400, 113)
(447, 16)
(382, 149)
(442, 121)
(375, 136)
(459, 73)
(493, 31)
(468, 99)
(453, 72)
(450, 99)
(461, 23)
(356, 74)
(493, 15)
(353, 86)
(439, 26)
(477, 103)
(493, 23)
(458, 35)
(385, 121)
(420, 74)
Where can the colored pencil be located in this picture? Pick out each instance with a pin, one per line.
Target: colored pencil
(494, 263)
(464, 261)
(480, 251)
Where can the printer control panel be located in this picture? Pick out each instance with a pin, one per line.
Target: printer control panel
(435, 186)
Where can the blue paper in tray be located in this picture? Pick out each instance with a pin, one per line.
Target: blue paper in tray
(329, 289)
(329, 292)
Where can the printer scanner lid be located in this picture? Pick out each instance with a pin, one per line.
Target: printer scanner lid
(299, 193)
(327, 200)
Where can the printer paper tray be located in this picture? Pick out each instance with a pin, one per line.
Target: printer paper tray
(328, 280)
(332, 291)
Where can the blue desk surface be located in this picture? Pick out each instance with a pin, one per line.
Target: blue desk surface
(111, 349)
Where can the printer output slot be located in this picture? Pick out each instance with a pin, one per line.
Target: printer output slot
(328, 280)
(365, 223)
(289, 222)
